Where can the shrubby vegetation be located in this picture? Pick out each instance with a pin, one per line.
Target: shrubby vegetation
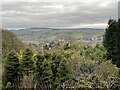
(69, 66)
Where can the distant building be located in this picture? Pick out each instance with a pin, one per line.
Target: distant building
(119, 10)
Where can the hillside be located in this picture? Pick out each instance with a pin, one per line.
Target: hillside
(10, 42)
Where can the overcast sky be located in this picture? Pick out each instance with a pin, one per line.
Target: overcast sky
(82, 13)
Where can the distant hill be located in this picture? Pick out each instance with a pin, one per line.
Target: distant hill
(10, 42)
(54, 28)
(45, 28)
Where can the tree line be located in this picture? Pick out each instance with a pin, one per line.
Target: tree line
(40, 71)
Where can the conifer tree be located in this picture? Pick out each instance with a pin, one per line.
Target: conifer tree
(11, 69)
(60, 69)
(39, 68)
(47, 72)
(28, 64)
(63, 71)
(27, 69)
(112, 41)
(43, 70)
(56, 58)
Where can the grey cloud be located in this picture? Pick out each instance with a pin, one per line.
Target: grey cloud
(56, 14)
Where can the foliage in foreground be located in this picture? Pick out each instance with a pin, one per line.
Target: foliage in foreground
(68, 66)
